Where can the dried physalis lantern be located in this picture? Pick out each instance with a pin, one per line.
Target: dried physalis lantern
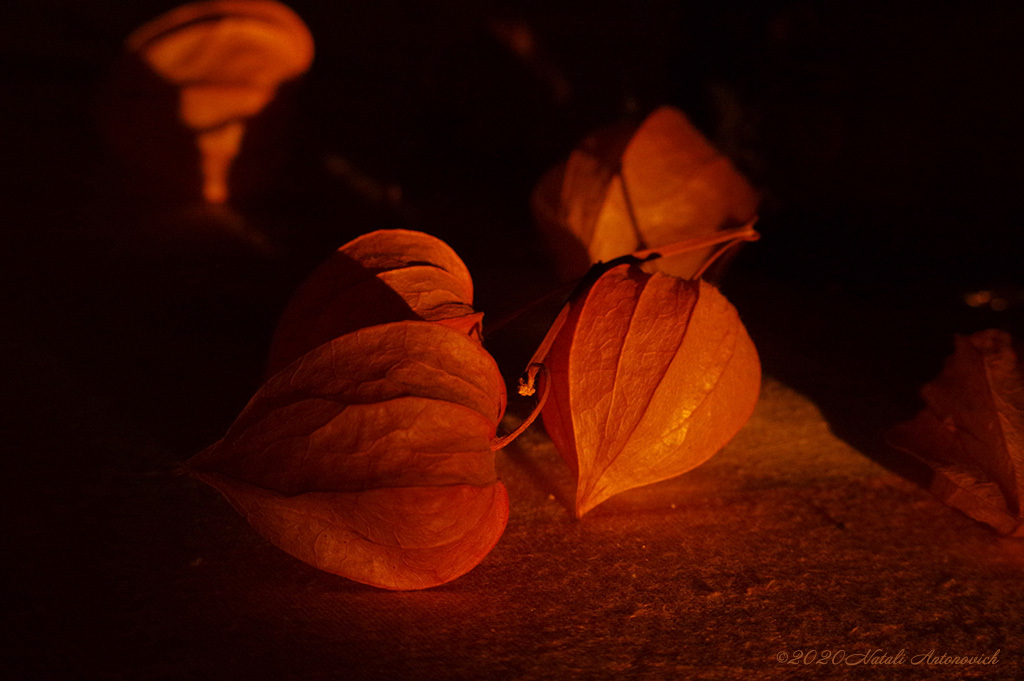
(971, 431)
(226, 58)
(650, 375)
(371, 456)
(644, 376)
(383, 276)
(628, 189)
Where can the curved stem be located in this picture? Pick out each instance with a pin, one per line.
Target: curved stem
(629, 208)
(744, 233)
(722, 250)
(533, 369)
(527, 384)
(559, 293)
(526, 388)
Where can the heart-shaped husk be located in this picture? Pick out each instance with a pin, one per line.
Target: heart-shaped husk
(370, 456)
(650, 376)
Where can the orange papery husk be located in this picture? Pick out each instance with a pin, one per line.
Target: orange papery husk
(371, 456)
(650, 376)
(631, 188)
(383, 276)
(226, 59)
(971, 431)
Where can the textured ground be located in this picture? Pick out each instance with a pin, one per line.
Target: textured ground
(134, 328)
(789, 540)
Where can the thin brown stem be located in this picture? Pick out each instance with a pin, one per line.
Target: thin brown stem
(526, 388)
(722, 250)
(559, 293)
(640, 242)
(744, 233)
(541, 400)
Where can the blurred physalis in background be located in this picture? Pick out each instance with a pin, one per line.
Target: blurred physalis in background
(998, 299)
(178, 104)
(633, 187)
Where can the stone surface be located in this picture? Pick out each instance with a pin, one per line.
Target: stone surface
(134, 328)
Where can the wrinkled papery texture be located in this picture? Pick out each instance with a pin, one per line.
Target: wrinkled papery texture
(227, 57)
(649, 377)
(370, 456)
(971, 431)
(384, 276)
(679, 187)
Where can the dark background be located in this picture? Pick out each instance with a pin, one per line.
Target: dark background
(886, 138)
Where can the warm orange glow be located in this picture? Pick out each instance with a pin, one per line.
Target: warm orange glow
(227, 58)
(985, 298)
(650, 376)
(629, 189)
(371, 456)
(384, 276)
(369, 452)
